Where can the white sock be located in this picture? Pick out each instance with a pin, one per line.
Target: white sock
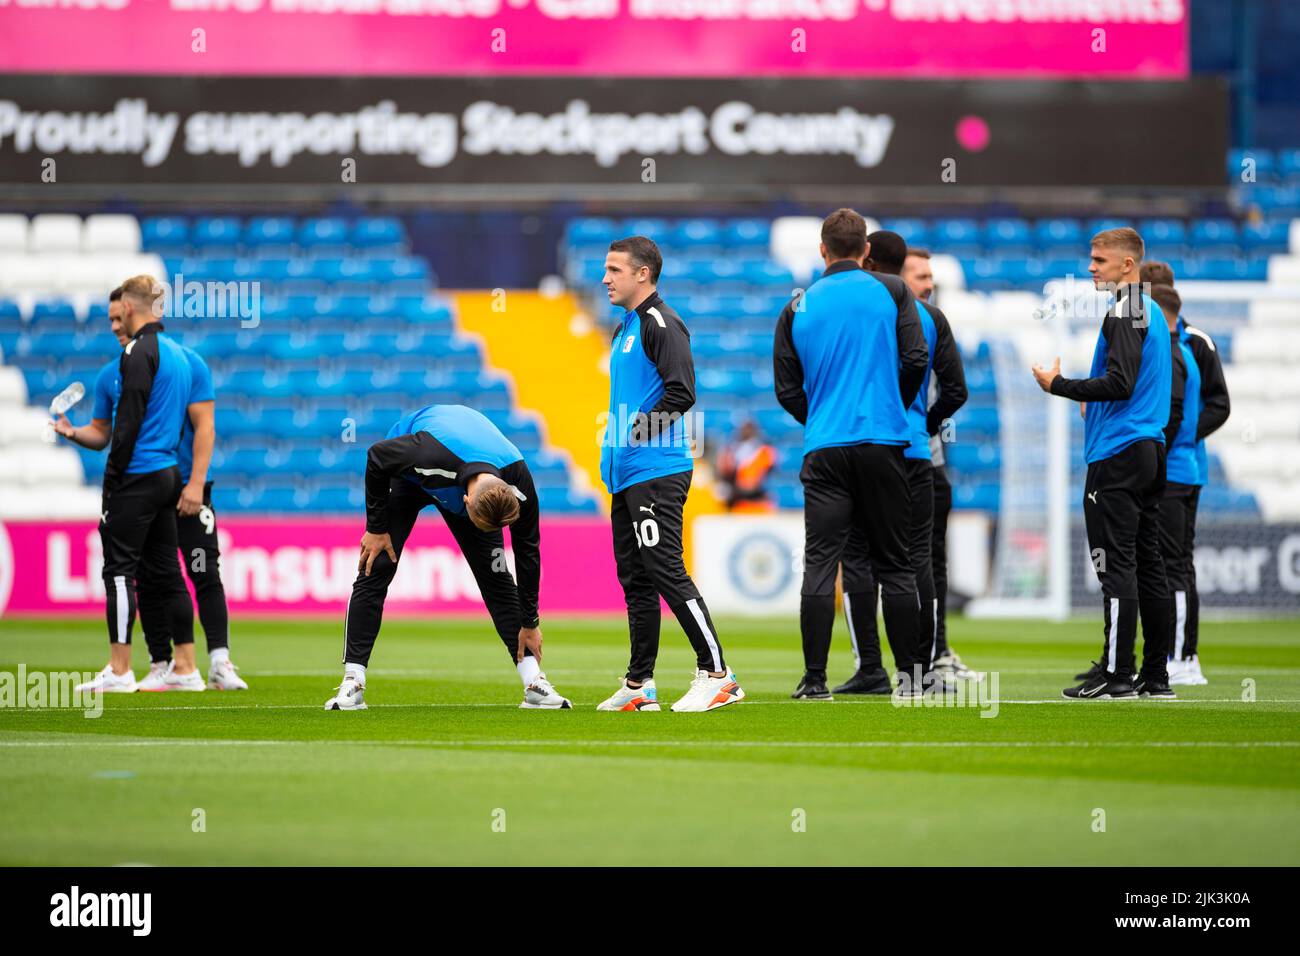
(528, 670)
(356, 671)
(219, 655)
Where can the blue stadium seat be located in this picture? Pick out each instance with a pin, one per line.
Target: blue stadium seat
(660, 230)
(914, 231)
(1095, 226)
(164, 232)
(9, 310)
(1059, 232)
(767, 273)
(1213, 232)
(321, 234)
(266, 269)
(378, 232)
(950, 234)
(53, 309)
(746, 232)
(1271, 236)
(277, 231)
(216, 232)
(591, 232)
(1162, 232)
(1007, 234)
(695, 232)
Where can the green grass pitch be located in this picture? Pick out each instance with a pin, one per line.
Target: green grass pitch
(444, 769)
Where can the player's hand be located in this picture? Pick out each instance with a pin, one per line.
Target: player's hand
(191, 502)
(65, 428)
(1083, 410)
(530, 639)
(1045, 376)
(372, 545)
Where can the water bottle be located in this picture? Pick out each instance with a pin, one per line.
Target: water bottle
(66, 399)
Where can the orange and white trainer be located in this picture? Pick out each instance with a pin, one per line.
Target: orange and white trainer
(709, 693)
(645, 697)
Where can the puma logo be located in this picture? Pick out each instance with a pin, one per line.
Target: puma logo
(1092, 496)
(650, 510)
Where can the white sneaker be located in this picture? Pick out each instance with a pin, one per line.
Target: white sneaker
(645, 697)
(1187, 672)
(540, 695)
(351, 696)
(953, 666)
(222, 676)
(709, 693)
(155, 679)
(106, 682)
(193, 681)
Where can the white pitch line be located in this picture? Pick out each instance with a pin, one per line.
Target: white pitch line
(972, 703)
(704, 744)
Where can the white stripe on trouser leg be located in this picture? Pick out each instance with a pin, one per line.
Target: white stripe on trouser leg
(1180, 623)
(853, 634)
(934, 629)
(1111, 652)
(123, 608)
(709, 639)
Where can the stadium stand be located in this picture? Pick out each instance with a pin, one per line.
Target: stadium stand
(1236, 275)
(331, 330)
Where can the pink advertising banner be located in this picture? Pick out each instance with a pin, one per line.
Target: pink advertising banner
(735, 38)
(275, 566)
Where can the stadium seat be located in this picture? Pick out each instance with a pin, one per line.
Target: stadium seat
(754, 233)
(319, 235)
(1162, 232)
(111, 233)
(53, 233)
(915, 232)
(268, 231)
(1007, 234)
(1058, 232)
(13, 234)
(1212, 233)
(215, 234)
(170, 232)
(378, 232)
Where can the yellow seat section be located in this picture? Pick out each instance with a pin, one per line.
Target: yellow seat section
(558, 358)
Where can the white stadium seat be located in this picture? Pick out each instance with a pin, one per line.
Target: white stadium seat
(28, 274)
(54, 233)
(13, 234)
(1284, 270)
(13, 388)
(794, 244)
(106, 233)
(948, 273)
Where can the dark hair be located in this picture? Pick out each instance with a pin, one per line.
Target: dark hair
(888, 251)
(844, 233)
(642, 252)
(115, 295)
(1157, 273)
(1170, 302)
(919, 252)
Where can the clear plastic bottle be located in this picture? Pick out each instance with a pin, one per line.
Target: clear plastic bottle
(66, 399)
